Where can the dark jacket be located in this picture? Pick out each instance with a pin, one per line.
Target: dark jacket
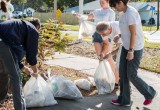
(22, 38)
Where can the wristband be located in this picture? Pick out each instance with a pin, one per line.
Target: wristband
(131, 49)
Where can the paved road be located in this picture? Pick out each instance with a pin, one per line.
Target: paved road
(88, 66)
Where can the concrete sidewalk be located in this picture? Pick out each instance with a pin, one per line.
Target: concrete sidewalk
(88, 66)
(82, 64)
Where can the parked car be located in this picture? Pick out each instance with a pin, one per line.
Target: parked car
(19, 14)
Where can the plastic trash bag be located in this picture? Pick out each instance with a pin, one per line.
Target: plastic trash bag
(118, 57)
(91, 80)
(64, 88)
(104, 78)
(37, 93)
(83, 84)
(86, 29)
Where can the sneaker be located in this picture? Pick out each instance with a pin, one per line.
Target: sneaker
(116, 86)
(149, 101)
(115, 102)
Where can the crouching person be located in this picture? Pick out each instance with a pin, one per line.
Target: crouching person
(18, 38)
(109, 32)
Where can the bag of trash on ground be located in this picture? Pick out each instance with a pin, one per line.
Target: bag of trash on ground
(104, 78)
(63, 88)
(83, 84)
(91, 80)
(37, 93)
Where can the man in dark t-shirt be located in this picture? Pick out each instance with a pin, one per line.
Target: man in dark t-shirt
(18, 38)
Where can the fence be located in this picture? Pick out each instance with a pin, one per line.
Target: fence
(66, 18)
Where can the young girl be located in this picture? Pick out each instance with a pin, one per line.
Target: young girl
(4, 13)
(131, 54)
(10, 7)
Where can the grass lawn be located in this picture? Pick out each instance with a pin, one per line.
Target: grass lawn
(149, 28)
(151, 59)
(152, 45)
(71, 27)
(76, 37)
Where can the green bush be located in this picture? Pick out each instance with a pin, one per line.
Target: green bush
(50, 41)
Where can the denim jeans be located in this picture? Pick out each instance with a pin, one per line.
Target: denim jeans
(128, 72)
(9, 65)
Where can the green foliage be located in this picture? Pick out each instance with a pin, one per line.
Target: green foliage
(62, 4)
(25, 78)
(43, 4)
(51, 40)
(151, 64)
(70, 27)
(152, 45)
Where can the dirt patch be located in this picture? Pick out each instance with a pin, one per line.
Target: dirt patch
(56, 70)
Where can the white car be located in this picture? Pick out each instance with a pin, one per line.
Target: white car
(18, 14)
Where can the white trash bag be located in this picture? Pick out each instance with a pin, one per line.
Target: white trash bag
(87, 29)
(64, 88)
(37, 93)
(118, 57)
(104, 78)
(83, 84)
(91, 80)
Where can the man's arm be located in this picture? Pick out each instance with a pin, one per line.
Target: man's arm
(86, 17)
(130, 54)
(107, 48)
(132, 29)
(32, 48)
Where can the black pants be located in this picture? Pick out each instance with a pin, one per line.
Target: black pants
(9, 66)
(4, 78)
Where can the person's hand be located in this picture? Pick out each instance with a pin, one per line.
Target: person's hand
(100, 57)
(34, 75)
(76, 15)
(107, 56)
(116, 39)
(130, 55)
(35, 71)
(27, 70)
(34, 68)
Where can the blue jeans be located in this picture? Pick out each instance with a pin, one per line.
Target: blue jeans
(9, 65)
(128, 72)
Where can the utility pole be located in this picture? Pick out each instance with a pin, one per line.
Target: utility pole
(55, 9)
(23, 2)
(81, 6)
(158, 16)
(80, 12)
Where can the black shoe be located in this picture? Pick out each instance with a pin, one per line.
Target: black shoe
(116, 86)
